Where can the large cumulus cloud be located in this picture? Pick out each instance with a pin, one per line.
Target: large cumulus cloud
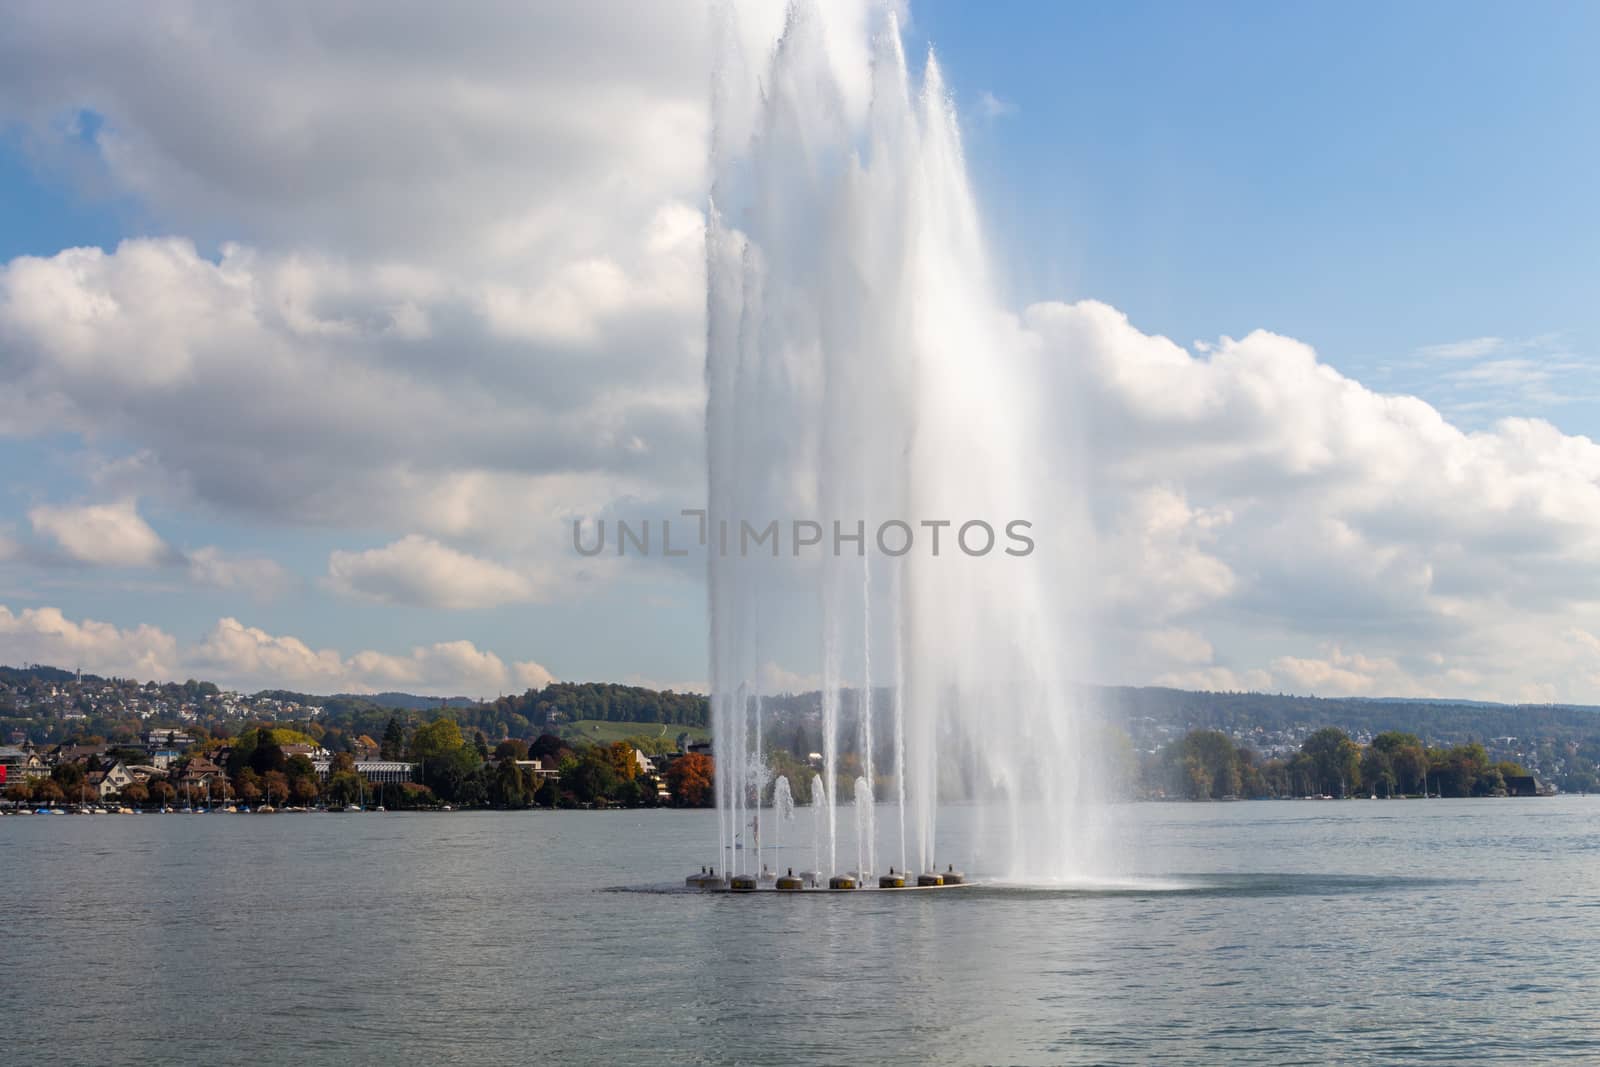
(436, 279)
(1324, 536)
(249, 658)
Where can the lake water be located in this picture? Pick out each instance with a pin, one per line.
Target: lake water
(1273, 932)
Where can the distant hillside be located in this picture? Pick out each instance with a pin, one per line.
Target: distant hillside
(1441, 720)
(608, 702)
(1150, 714)
(39, 673)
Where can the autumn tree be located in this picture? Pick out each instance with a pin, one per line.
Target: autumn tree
(690, 777)
(619, 754)
(548, 745)
(247, 784)
(438, 738)
(276, 784)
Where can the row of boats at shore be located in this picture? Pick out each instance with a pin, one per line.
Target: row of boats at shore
(221, 809)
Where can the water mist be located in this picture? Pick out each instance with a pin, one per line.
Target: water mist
(861, 372)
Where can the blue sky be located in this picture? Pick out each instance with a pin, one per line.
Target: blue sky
(1369, 178)
(1408, 189)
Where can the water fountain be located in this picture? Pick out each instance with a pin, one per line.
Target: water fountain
(782, 810)
(869, 407)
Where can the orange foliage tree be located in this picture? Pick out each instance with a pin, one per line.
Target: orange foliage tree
(619, 755)
(690, 779)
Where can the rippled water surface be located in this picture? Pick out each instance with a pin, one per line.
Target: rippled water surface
(1273, 932)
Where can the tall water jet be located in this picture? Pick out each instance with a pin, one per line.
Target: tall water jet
(782, 810)
(819, 808)
(866, 831)
(872, 423)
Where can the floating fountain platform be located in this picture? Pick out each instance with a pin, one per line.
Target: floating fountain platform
(706, 879)
(809, 882)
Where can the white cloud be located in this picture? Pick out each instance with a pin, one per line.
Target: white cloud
(499, 132)
(105, 535)
(1161, 564)
(464, 297)
(1472, 348)
(278, 385)
(1183, 646)
(991, 107)
(253, 658)
(471, 251)
(530, 675)
(210, 566)
(1342, 674)
(249, 658)
(1476, 348)
(45, 635)
(116, 535)
(1254, 489)
(422, 572)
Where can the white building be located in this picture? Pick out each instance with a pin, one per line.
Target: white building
(376, 771)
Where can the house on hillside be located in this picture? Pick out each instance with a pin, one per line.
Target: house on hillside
(198, 774)
(118, 776)
(161, 740)
(110, 782)
(543, 768)
(65, 753)
(20, 763)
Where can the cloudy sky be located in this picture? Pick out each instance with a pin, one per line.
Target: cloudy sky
(317, 328)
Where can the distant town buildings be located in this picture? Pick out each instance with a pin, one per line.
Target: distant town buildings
(75, 699)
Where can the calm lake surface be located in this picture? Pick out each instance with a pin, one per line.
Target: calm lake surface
(1279, 932)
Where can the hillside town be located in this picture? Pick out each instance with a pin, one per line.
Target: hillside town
(43, 692)
(83, 742)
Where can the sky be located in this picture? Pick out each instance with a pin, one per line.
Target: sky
(317, 330)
